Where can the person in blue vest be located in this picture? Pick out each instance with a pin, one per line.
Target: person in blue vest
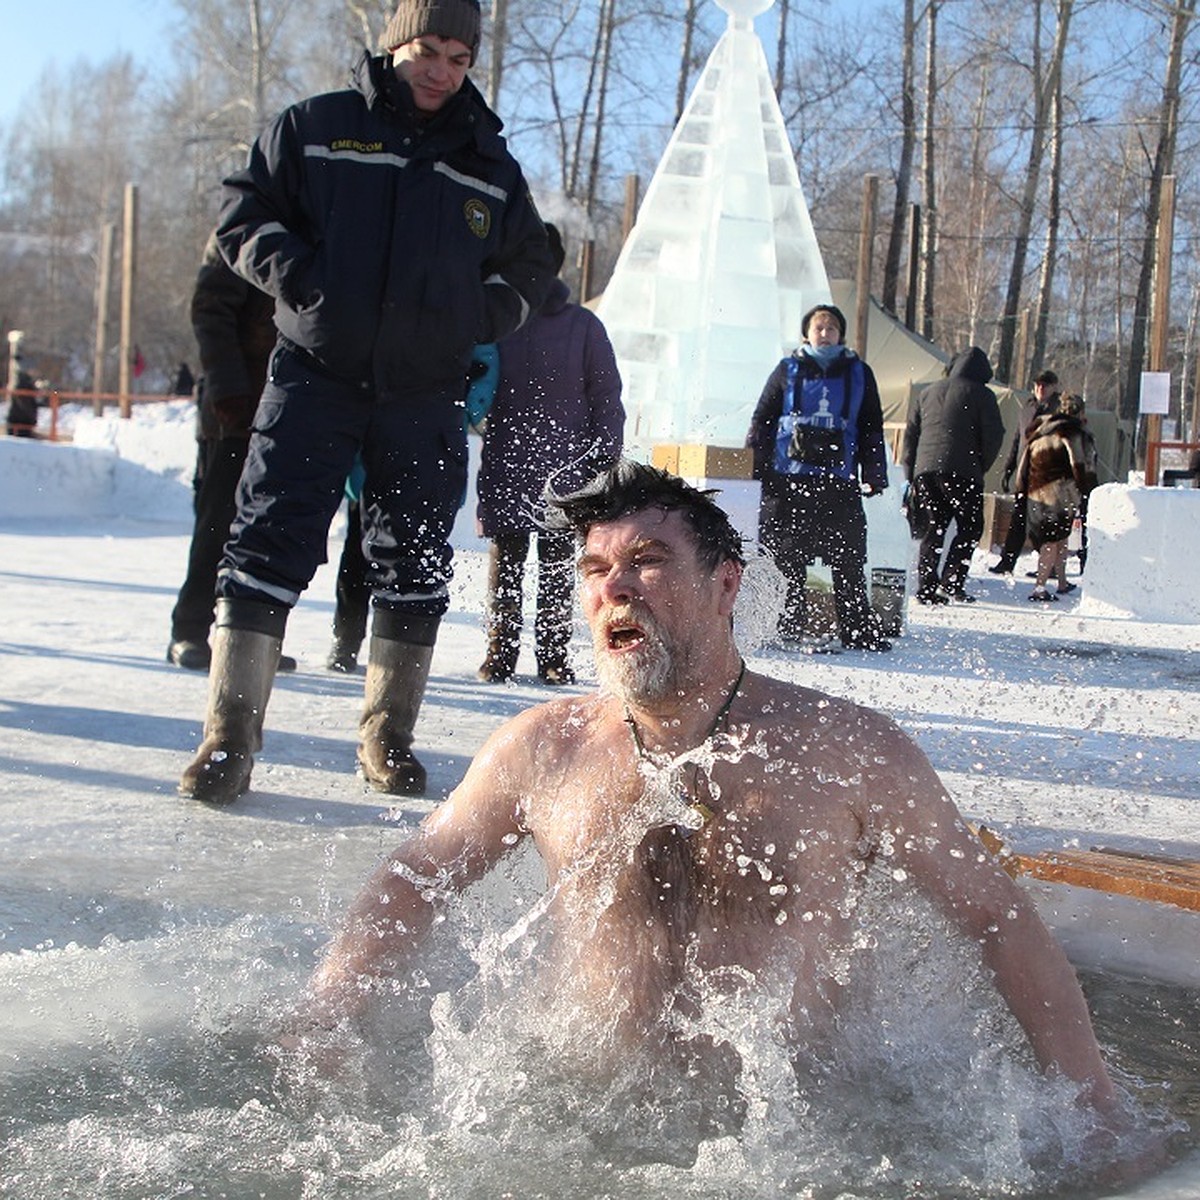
(817, 437)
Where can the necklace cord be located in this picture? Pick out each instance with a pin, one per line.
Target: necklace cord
(722, 713)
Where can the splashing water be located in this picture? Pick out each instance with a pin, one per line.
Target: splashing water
(760, 601)
(147, 1068)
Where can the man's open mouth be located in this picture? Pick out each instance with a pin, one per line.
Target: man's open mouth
(624, 636)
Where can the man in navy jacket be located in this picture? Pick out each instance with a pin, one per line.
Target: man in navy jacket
(395, 231)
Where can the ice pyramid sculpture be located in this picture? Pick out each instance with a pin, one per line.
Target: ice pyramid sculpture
(708, 291)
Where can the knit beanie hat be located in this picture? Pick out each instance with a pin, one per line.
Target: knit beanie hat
(458, 19)
(832, 309)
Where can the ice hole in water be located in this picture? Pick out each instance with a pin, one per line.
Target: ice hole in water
(146, 1066)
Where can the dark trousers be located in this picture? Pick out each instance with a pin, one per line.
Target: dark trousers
(555, 596)
(805, 518)
(308, 429)
(353, 591)
(1014, 541)
(947, 499)
(218, 469)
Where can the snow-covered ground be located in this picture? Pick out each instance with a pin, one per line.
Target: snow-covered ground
(1054, 727)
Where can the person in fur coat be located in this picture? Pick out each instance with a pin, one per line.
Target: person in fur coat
(1055, 474)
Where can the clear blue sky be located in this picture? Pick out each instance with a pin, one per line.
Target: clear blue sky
(35, 33)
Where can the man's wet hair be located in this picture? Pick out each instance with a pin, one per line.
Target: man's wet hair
(631, 487)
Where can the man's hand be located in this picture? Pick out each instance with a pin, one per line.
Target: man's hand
(869, 489)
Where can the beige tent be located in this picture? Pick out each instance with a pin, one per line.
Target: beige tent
(904, 363)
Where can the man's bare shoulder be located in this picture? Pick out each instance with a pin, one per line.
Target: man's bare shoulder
(779, 702)
(561, 726)
(799, 721)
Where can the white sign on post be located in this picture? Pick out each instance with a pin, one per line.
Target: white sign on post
(1155, 399)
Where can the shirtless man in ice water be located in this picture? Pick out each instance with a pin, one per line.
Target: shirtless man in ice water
(694, 815)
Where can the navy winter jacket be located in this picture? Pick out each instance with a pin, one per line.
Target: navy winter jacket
(391, 244)
(557, 416)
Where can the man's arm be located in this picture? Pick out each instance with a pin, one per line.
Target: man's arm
(872, 451)
(230, 321)
(947, 863)
(261, 234)
(602, 382)
(912, 437)
(517, 279)
(453, 847)
(761, 435)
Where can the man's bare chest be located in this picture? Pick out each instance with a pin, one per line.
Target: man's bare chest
(698, 855)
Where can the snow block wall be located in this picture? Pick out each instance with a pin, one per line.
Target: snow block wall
(1143, 554)
(140, 467)
(54, 479)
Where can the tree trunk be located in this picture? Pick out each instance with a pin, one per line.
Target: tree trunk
(785, 8)
(1053, 221)
(1044, 87)
(908, 142)
(608, 17)
(929, 208)
(685, 59)
(574, 169)
(496, 54)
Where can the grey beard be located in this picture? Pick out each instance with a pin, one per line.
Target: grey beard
(648, 676)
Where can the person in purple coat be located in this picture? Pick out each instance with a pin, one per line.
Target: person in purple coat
(557, 418)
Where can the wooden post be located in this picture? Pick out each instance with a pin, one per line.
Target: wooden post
(866, 243)
(587, 260)
(103, 284)
(1161, 316)
(128, 265)
(632, 195)
(1017, 372)
(914, 266)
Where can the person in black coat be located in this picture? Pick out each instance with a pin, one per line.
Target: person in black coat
(953, 434)
(23, 407)
(816, 431)
(235, 333)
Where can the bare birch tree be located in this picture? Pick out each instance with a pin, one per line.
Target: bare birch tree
(1045, 300)
(1044, 80)
(908, 144)
(929, 209)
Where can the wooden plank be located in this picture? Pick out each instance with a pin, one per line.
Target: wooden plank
(1161, 878)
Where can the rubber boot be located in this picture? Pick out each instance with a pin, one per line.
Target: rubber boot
(239, 686)
(396, 675)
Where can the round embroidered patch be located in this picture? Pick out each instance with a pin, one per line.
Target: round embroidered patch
(479, 218)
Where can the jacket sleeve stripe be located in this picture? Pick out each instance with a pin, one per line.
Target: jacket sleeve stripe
(245, 265)
(499, 279)
(488, 189)
(378, 160)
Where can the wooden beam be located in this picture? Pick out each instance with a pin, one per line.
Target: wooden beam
(1158, 877)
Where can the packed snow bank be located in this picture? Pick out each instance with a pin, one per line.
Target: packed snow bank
(140, 467)
(1143, 554)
